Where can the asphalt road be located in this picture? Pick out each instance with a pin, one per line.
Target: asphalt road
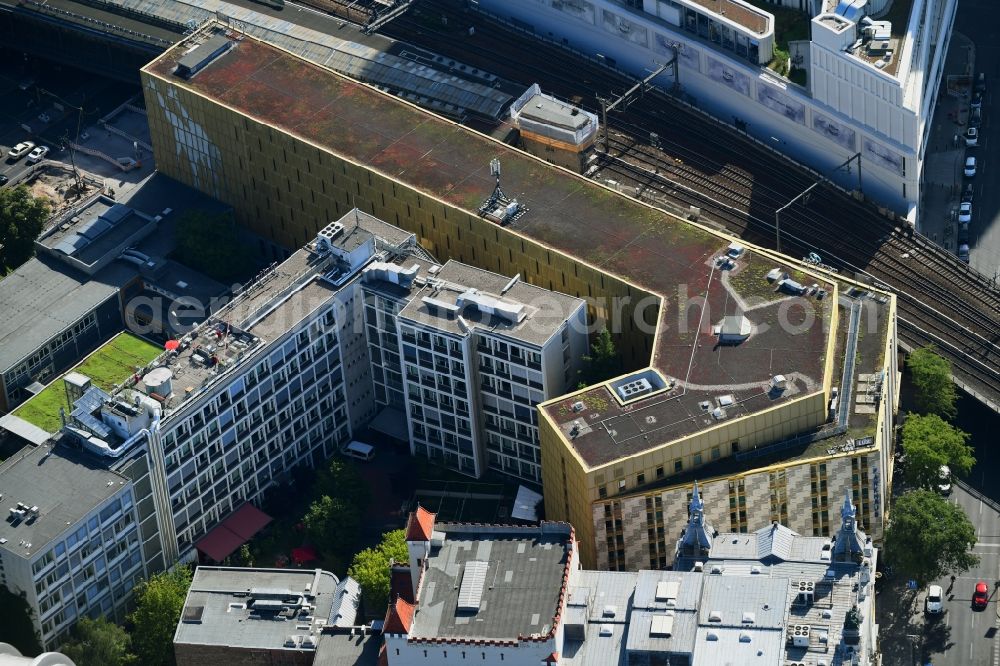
(977, 20)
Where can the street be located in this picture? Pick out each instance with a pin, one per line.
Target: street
(961, 636)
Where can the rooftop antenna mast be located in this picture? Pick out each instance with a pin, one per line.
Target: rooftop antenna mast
(499, 207)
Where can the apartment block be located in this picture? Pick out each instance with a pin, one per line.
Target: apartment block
(477, 352)
(70, 541)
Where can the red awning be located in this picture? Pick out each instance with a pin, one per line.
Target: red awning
(304, 554)
(233, 532)
(247, 521)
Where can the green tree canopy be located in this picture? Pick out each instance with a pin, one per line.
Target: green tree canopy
(603, 361)
(342, 479)
(930, 442)
(16, 624)
(22, 217)
(99, 642)
(931, 377)
(158, 605)
(333, 525)
(929, 537)
(371, 569)
(211, 243)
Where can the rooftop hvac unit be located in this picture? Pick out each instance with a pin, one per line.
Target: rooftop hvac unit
(634, 388)
(807, 591)
(798, 635)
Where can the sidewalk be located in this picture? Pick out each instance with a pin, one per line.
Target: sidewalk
(945, 156)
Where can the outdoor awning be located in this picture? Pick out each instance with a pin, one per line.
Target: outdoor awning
(391, 421)
(241, 525)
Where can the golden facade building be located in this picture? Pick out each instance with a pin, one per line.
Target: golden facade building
(773, 384)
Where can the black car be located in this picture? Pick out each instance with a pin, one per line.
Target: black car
(3, 180)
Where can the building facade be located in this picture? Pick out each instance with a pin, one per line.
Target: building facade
(869, 86)
(71, 542)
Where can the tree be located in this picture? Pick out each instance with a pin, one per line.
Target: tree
(602, 362)
(333, 525)
(16, 624)
(22, 217)
(158, 605)
(929, 537)
(342, 479)
(931, 377)
(99, 642)
(371, 569)
(930, 442)
(211, 243)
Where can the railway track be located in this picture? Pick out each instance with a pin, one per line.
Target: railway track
(694, 164)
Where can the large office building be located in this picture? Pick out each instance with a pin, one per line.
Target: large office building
(743, 368)
(518, 595)
(477, 351)
(863, 81)
(70, 542)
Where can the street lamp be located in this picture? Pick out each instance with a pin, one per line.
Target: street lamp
(804, 194)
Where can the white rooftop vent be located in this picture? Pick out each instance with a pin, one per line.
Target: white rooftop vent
(661, 626)
(755, 569)
(715, 616)
(775, 274)
(778, 383)
(827, 613)
(699, 566)
(726, 400)
(324, 239)
(718, 413)
(748, 617)
(634, 388)
(578, 406)
(717, 569)
(606, 630)
(735, 249)
(610, 611)
(470, 593)
(745, 637)
(711, 636)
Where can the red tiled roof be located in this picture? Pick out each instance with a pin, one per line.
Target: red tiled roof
(383, 656)
(399, 617)
(420, 525)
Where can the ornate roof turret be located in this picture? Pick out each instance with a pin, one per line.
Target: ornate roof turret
(696, 540)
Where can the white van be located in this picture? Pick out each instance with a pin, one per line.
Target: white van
(360, 450)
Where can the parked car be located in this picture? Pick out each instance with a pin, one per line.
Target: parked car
(967, 194)
(972, 136)
(20, 150)
(970, 167)
(934, 603)
(977, 101)
(981, 82)
(3, 180)
(944, 474)
(963, 235)
(981, 597)
(965, 212)
(963, 254)
(976, 117)
(38, 154)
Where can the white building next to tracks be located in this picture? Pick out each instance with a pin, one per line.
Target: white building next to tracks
(863, 78)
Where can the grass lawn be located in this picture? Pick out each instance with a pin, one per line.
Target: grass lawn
(109, 365)
(789, 25)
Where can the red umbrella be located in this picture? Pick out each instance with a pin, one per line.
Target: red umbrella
(171, 345)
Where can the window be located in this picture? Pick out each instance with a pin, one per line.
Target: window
(602, 492)
(659, 472)
(678, 466)
(640, 479)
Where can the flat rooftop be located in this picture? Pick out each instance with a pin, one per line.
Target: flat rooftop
(89, 233)
(651, 249)
(43, 297)
(543, 311)
(523, 570)
(745, 15)
(223, 607)
(551, 111)
(63, 483)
